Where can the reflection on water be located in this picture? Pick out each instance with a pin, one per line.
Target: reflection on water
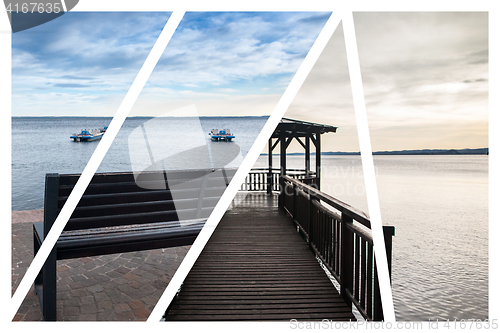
(439, 206)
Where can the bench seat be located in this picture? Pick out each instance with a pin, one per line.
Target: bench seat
(108, 240)
(124, 212)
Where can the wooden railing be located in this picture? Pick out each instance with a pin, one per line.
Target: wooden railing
(263, 179)
(340, 236)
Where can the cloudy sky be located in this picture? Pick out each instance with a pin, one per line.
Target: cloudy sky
(224, 63)
(425, 75)
(425, 78)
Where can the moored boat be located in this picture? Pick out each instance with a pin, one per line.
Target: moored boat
(89, 135)
(222, 135)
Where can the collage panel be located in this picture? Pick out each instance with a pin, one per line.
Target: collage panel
(201, 109)
(426, 87)
(69, 76)
(295, 244)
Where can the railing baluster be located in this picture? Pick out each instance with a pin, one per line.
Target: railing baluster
(363, 274)
(346, 261)
(377, 306)
(356, 267)
(369, 285)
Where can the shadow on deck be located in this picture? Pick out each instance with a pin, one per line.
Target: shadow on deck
(256, 266)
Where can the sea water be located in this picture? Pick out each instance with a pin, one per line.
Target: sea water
(438, 204)
(439, 207)
(42, 145)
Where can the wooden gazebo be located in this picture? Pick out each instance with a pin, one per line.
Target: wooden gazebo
(305, 133)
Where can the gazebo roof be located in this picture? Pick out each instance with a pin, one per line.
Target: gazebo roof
(299, 128)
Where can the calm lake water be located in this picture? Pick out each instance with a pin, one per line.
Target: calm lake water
(43, 145)
(439, 206)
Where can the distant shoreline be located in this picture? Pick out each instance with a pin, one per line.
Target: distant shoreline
(467, 151)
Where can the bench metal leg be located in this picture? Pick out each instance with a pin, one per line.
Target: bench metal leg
(49, 291)
(36, 247)
(45, 281)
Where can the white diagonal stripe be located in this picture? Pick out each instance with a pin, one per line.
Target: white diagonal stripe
(252, 155)
(94, 162)
(368, 168)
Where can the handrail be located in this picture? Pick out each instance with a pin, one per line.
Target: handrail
(287, 170)
(343, 207)
(342, 241)
(260, 179)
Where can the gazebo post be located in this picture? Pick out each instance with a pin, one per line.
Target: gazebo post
(270, 174)
(308, 156)
(282, 139)
(318, 158)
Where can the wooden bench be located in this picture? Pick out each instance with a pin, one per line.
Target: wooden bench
(123, 212)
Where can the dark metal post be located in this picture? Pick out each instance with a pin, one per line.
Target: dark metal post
(49, 275)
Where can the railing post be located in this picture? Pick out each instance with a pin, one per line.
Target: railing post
(310, 223)
(378, 313)
(346, 248)
(389, 231)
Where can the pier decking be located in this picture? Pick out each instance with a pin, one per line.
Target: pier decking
(256, 266)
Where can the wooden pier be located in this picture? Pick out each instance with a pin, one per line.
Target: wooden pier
(256, 266)
(263, 260)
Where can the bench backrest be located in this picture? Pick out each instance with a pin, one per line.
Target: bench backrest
(117, 199)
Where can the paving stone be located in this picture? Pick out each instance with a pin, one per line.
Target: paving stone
(122, 307)
(88, 308)
(18, 317)
(89, 299)
(89, 282)
(71, 311)
(122, 270)
(62, 268)
(94, 288)
(78, 278)
(104, 305)
(102, 278)
(141, 314)
(85, 259)
(135, 284)
(136, 304)
(113, 274)
(88, 317)
(100, 296)
(107, 315)
(159, 285)
(73, 285)
(126, 316)
(71, 302)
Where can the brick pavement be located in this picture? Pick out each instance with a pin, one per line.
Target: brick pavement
(116, 287)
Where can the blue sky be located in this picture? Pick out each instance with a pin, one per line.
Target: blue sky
(425, 74)
(83, 63)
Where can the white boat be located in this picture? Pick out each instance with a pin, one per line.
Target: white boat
(89, 135)
(222, 135)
